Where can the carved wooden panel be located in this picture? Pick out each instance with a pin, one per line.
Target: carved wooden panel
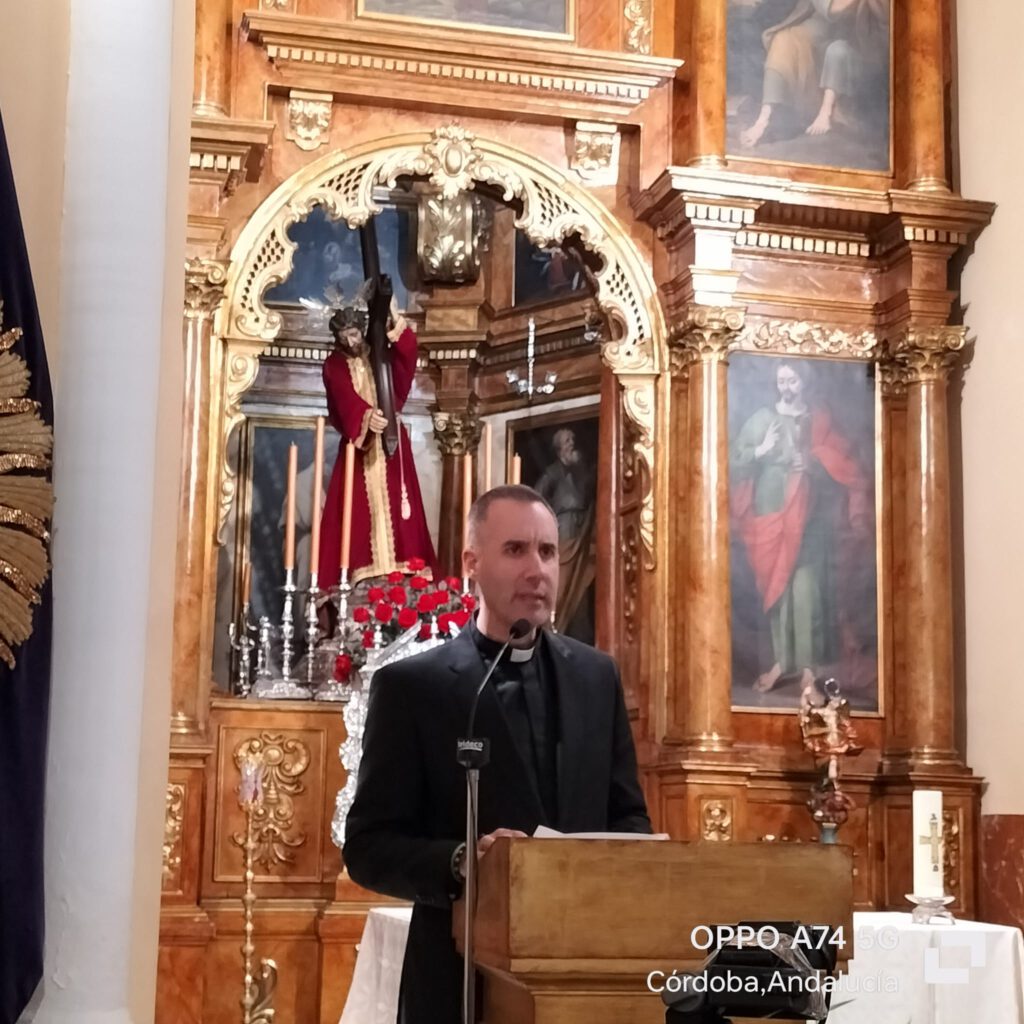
(301, 778)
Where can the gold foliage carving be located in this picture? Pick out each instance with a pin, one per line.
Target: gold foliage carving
(173, 816)
(716, 820)
(447, 243)
(285, 761)
(26, 498)
(204, 287)
(927, 354)
(951, 850)
(309, 118)
(457, 433)
(638, 25)
(810, 339)
(705, 333)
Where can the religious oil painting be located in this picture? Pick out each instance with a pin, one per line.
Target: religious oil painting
(803, 530)
(546, 17)
(809, 82)
(543, 275)
(327, 266)
(558, 451)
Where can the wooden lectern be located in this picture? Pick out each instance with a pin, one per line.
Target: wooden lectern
(567, 930)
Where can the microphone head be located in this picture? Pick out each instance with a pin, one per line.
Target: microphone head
(520, 628)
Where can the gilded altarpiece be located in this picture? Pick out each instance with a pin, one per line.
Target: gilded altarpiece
(605, 147)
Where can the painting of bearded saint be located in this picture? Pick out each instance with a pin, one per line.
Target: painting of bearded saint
(809, 82)
(802, 529)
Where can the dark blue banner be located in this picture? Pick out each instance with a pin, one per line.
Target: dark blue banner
(26, 417)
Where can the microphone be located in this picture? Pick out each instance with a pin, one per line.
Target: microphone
(519, 629)
(473, 753)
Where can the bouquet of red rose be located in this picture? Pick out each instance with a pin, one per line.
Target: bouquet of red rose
(402, 601)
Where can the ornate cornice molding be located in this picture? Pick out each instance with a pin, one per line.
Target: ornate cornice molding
(594, 78)
(226, 152)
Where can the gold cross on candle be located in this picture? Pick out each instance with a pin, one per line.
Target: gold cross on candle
(934, 840)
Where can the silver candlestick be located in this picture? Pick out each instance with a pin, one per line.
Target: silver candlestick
(241, 635)
(263, 651)
(312, 628)
(340, 594)
(288, 624)
(285, 687)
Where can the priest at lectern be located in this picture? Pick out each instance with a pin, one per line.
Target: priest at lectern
(561, 748)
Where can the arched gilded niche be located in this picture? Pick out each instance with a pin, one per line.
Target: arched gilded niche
(454, 159)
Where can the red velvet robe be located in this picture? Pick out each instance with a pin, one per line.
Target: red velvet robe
(382, 540)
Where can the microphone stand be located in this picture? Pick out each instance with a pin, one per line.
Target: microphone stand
(473, 753)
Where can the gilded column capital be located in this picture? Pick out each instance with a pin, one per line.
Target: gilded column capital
(927, 354)
(704, 334)
(205, 281)
(457, 432)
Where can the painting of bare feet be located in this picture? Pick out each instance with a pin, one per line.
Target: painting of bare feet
(809, 82)
(802, 530)
(544, 17)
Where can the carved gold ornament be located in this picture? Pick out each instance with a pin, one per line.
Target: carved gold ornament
(716, 820)
(285, 760)
(309, 118)
(173, 816)
(638, 25)
(554, 207)
(447, 241)
(26, 497)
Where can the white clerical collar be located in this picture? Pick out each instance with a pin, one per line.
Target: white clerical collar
(521, 653)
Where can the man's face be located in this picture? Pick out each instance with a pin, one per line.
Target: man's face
(789, 384)
(514, 559)
(351, 340)
(566, 448)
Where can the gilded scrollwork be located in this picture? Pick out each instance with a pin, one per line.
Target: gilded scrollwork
(453, 159)
(447, 241)
(716, 820)
(951, 850)
(285, 760)
(637, 14)
(204, 287)
(705, 333)
(173, 822)
(804, 338)
(927, 354)
(457, 433)
(309, 118)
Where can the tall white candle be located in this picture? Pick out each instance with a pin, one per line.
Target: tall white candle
(927, 840)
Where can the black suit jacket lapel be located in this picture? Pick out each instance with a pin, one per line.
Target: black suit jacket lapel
(571, 724)
(507, 772)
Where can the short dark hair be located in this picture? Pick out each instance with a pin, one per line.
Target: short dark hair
(504, 492)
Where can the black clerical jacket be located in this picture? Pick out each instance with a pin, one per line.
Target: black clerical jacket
(409, 811)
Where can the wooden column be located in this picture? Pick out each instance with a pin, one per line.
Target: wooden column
(706, 60)
(925, 355)
(924, 95)
(703, 699)
(457, 434)
(213, 58)
(204, 291)
(608, 583)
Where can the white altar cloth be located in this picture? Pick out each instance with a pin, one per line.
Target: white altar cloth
(901, 973)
